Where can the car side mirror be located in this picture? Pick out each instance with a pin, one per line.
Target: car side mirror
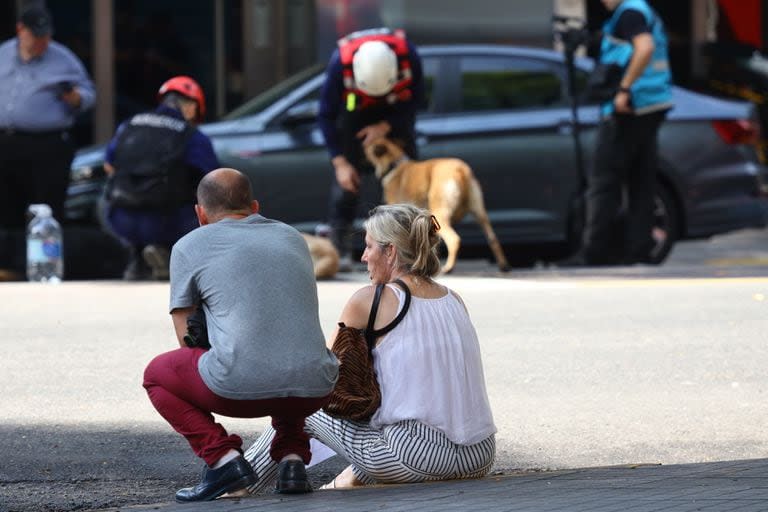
(302, 113)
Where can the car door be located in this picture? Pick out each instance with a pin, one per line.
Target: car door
(508, 117)
(282, 152)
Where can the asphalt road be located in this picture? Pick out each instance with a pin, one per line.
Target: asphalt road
(585, 367)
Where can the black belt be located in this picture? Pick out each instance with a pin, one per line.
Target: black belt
(14, 132)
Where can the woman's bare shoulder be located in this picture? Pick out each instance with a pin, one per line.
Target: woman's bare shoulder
(355, 312)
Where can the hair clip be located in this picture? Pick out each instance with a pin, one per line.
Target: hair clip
(435, 224)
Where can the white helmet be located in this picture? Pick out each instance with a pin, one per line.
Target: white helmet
(374, 67)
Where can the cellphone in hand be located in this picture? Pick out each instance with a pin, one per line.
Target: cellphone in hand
(65, 87)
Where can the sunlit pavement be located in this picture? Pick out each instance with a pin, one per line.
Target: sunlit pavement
(585, 368)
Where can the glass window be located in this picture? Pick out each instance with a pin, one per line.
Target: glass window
(503, 83)
(274, 93)
(429, 67)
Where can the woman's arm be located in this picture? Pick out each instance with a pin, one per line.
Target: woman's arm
(355, 312)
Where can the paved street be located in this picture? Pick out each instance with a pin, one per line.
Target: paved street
(717, 486)
(586, 369)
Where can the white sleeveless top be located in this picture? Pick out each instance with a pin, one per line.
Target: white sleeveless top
(430, 370)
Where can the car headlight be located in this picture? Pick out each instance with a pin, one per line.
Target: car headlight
(83, 173)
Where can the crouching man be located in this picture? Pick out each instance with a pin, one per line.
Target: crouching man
(253, 277)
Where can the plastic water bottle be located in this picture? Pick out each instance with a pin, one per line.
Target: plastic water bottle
(44, 246)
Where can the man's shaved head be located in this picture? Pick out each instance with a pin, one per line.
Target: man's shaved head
(225, 191)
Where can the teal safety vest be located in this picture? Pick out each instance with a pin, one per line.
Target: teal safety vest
(653, 89)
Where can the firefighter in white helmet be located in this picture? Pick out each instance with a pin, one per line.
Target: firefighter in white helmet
(373, 87)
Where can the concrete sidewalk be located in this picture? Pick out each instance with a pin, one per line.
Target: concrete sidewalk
(712, 487)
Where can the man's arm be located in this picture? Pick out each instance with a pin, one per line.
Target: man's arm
(641, 56)
(330, 110)
(109, 153)
(179, 317)
(330, 105)
(82, 96)
(635, 28)
(200, 154)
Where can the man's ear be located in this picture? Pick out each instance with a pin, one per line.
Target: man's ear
(202, 217)
(254, 206)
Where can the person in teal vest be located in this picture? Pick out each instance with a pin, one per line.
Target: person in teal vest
(626, 154)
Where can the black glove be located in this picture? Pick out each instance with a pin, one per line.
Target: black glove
(197, 330)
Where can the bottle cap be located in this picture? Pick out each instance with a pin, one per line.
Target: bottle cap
(40, 210)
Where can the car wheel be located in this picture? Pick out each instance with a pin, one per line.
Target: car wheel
(666, 225)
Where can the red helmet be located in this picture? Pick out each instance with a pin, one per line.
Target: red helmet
(185, 86)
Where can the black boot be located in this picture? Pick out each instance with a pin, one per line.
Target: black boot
(137, 269)
(339, 236)
(292, 478)
(158, 259)
(232, 476)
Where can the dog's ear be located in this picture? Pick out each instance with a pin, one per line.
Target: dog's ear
(379, 150)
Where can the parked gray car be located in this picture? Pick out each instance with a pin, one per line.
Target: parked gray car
(506, 111)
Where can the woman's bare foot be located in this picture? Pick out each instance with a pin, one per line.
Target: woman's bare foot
(344, 480)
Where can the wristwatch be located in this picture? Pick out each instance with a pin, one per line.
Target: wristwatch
(625, 89)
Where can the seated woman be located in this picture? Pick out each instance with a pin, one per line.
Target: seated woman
(435, 421)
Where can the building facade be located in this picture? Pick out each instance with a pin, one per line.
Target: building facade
(238, 48)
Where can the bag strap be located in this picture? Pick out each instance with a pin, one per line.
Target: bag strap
(374, 309)
(370, 333)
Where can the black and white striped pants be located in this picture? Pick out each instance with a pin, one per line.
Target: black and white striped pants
(408, 451)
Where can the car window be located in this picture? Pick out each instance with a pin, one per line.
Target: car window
(309, 105)
(503, 83)
(429, 67)
(268, 97)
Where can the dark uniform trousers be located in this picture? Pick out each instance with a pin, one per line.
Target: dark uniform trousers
(343, 205)
(34, 168)
(620, 195)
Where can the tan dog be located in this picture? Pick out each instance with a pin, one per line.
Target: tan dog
(445, 186)
(325, 257)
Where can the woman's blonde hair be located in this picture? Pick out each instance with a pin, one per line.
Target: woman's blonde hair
(411, 231)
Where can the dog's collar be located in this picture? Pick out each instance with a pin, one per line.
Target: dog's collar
(394, 165)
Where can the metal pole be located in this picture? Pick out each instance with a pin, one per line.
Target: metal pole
(103, 69)
(219, 58)
(281, 39)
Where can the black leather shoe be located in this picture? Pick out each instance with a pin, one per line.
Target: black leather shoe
(292, 478)
(232, 476)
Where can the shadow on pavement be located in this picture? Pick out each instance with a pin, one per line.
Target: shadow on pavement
(64, 468)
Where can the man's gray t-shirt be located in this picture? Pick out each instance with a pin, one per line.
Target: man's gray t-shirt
(255, 280)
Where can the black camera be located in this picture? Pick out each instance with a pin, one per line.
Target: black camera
(197, 330)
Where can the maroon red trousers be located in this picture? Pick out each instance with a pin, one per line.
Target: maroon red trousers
(181, 397)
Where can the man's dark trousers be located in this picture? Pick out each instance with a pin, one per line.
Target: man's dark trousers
(625, 166)
(343, 205)
(34, 168)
